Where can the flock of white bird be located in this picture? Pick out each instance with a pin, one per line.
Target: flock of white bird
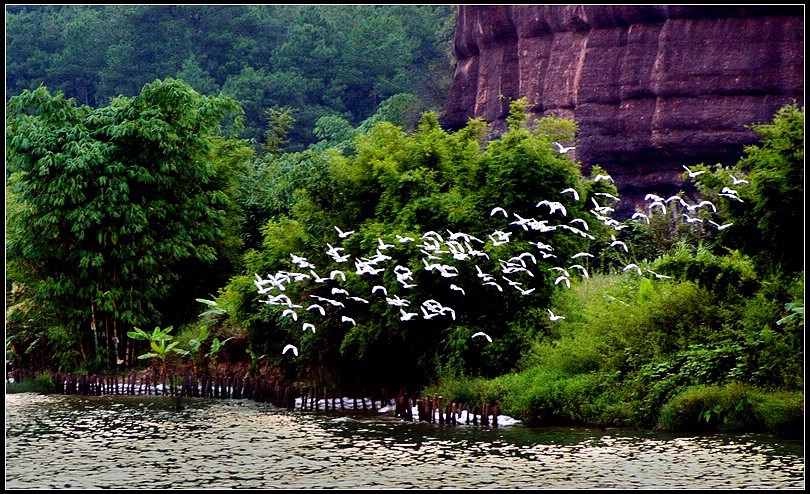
(437, 248)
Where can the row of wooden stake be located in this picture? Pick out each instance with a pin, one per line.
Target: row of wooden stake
(429, 409)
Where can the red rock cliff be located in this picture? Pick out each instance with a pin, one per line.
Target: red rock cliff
(651, 88)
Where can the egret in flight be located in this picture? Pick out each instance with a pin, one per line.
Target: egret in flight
(659, 276)
(481, 333)
(290, 347)
(318, 308)
(407, 316)
(719, 226)
(498, 210)
(737, 181)
(632, 265)
(572, 191)
(620, 244)
(638, 215)
(563, 278)
(343, 234)
(563, 149)
(553, 317)
(691, 173)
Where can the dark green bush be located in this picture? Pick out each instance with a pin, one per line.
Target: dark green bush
(733, 407)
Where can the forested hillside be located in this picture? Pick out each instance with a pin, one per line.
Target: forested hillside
(319, 60)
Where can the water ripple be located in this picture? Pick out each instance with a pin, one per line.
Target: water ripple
(147, 443)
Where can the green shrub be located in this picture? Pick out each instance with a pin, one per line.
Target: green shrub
(726, 408)
(45, 383)
(42, 383)
(781, 412)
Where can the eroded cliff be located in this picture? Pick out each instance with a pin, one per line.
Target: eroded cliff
(651, 88)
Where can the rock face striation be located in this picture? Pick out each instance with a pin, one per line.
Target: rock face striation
(651, 88)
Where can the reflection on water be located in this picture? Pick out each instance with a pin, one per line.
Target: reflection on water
(147, 442)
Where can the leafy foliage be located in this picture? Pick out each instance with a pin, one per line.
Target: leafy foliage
(115, 204)
(264, 56)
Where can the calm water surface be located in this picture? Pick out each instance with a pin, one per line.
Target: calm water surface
(145, 443)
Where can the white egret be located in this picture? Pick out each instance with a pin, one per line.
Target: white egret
(658, 204)
(342, 291)
(343, 234)
(498, 210)
(659, 276)
(553, 206)
(333, 251)
(290, 347)
(481, 333)
(638, 215)
(690, 219)
(261, 289)
(676, 198)
(620, 244)
(359, 299)
(605, 194)
(632, 265)
(581, 268)
(308, 325)
(499, 238)
(376, 288)
(737, 181)
(337, 272)
(603, 177)
(542, 246)
(397, 301)
(691, 173)
(732, 196)
(301, 261)
(318, 279)
(383, 245)
(719, 226)
(290, 312)
(500, 289)
(563, 278)
(317, 307)
(457, 288)
(704, 203)
(563, 149)
(403, 240)
(582, 254)
(572, 191)
(347, 319)
(553, 317)
(407, 316)
(561, 270)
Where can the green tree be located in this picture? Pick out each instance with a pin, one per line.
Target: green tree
(770, 209)
(112, 200)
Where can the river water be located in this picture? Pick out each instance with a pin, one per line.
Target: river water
(79, 442)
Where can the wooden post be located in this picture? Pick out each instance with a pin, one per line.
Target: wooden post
(408, 409)
(495, 415)
(485, 414)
